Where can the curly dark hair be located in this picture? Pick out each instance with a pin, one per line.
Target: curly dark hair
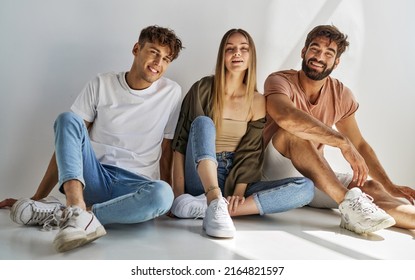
(163, 36)
(332, 33)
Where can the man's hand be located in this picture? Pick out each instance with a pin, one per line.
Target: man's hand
(7, 203)
(403, 191)
(357, 163)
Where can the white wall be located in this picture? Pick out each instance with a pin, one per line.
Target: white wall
(49, 49)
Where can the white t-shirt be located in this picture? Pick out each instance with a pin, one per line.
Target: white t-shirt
(129, 125)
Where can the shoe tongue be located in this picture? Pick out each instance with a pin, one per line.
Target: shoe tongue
(353, 193)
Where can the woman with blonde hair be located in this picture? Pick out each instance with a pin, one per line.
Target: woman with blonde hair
(218, 146)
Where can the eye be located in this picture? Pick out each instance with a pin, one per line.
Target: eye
(329, 54)
(314, 50)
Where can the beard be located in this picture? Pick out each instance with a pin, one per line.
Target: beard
(313, 74)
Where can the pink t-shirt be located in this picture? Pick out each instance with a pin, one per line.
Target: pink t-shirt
(335, 102)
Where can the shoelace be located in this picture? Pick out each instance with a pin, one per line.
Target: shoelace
(41, 214)
(364, 203)
(221, 210)
(197, 212)
(51, 222)
(66, 216)
(45, 217)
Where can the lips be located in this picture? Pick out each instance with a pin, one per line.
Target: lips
(153, 70)
(316, 64)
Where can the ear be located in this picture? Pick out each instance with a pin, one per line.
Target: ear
(336, 62)
(136, 48)
(303, 52)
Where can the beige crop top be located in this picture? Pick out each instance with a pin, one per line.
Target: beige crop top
(232, 131)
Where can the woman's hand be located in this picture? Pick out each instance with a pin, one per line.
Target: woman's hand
(234, 202)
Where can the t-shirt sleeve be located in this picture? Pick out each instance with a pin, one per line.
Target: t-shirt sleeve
(85, 105)
(277, 84)
(349, 103)
(174, 114)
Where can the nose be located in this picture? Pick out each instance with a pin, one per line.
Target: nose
(318, 55)
(157, 60)
(237, 53)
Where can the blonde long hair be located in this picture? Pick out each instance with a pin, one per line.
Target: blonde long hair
(220, 71)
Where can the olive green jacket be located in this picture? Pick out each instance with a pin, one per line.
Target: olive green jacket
(248, 157)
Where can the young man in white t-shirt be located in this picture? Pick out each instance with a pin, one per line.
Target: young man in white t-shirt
(112, 155)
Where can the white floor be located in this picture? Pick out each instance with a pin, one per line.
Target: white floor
(301, 234)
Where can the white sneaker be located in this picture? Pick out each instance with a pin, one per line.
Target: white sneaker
(188, 206)
(43, 212)
(217, 221)
(361, 215)
(77, 227)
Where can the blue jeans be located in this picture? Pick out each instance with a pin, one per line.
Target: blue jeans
(269, 196)
(116, 195)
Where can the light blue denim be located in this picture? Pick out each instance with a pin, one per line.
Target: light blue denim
(116, 195)
(269, 196)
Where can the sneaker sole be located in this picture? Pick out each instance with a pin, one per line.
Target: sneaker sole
(187, 217)
(382, 225)
(219, 233)
(65, 243)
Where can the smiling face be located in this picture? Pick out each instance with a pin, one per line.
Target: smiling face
(319, 58)
(237, 53)
(151, 60)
